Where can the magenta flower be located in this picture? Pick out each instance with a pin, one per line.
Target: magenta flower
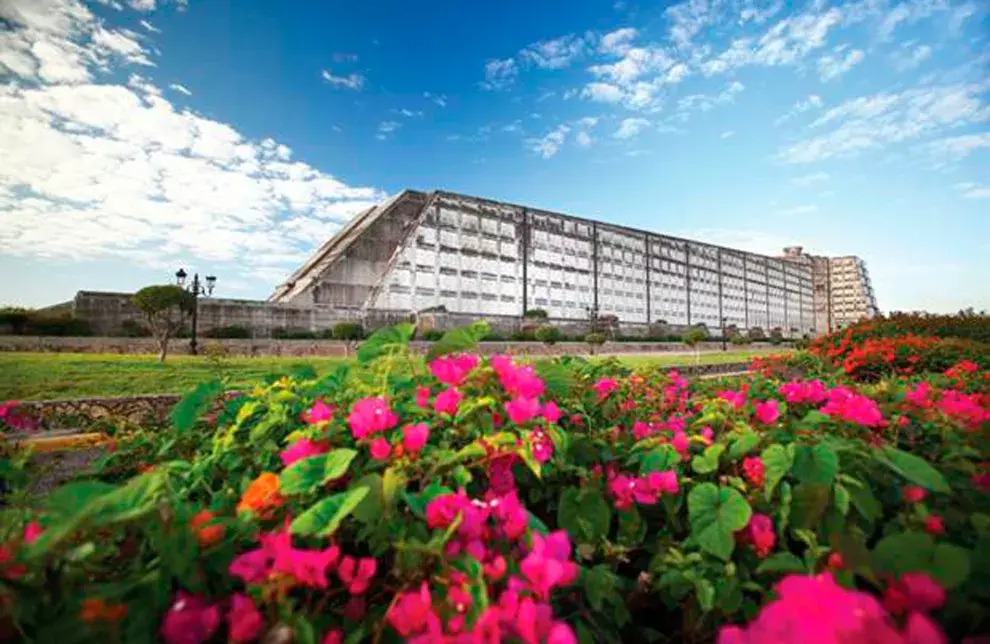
(551, 412)
(760, 533)
(302, 448)
(547, 565)
(914, 494)
(380, 449)
(541, 445)
(447, 402)
(664, 482)
(934, 525)
(335, 636)
(511, 515)
(914, 591)
(371, 415)
(444, 508)
(410, 614)
(803, 391)
(190, 620)
(320, 412)
(422, 398)
(501, 480)
(681, 443)
(517, 380)
(604, 387)
(849, 406)
(767, 412)
(754, 470)
(521, 409)
(357, 574)
(245, 620)
(707, 434)
(32, 531)
(414, 437)
(452, 370)
(735, 398)
(964, 408)
(277, 556)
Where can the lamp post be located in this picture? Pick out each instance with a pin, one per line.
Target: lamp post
(592, 312)
(724, 348)
(196, 289)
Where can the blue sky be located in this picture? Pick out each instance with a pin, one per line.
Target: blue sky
(137, 136)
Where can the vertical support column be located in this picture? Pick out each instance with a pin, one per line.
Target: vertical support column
(766, 290)
(746, 290)
(721, 316)
(687, 279)
(787, 296)
(525, 261)
(828, 293)
(801, 326)
(646, 240)
(594, 265)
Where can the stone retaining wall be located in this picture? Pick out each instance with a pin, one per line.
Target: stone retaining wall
(154, 410)
(264, 347)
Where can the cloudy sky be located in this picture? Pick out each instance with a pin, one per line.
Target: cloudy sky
(138, 136)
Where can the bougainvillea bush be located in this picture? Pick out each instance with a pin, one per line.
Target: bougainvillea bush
(488, 500)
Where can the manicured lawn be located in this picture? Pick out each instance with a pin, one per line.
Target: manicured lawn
(38, 376)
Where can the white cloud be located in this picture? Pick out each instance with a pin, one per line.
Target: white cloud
(689, 18)
(409, 114)
(728, 134)
(831, 67)
(500, 74)
(617, 42)
(102, 169)
(386, 129)
(550, 143)
(631, 127)
(181, 89)
(583, 139)
(603, 92)
(810, 180)
(351, 81)
(910, 58)
(707, 102)
(958, 147)
(150, 27)
(759, 16)
(973, 191)
(588, 122)
(440, 100)
(812, 102)
(911, 11)
(872, 122)
(554, 54)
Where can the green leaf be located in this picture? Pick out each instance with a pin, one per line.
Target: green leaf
(387, 341)
(715, 514)
(744, 444)
(903, 552)
(865, 503)
(194, 404)
(585, 514)
(459, 340)
(535, 524)
(66, 500)
(728, 594)
(782, 562)
(418, 502)
(841, 496)
(559, 379)
(808, 505)
(817, 465)
(599, 584)
(950, 566)
(707, 462)
(370, 509)
(777, 462)
(632, 528)
(307, 473)
(324, 518)
(659, 459)
(393, 483)
(915, 469)
(705, 591)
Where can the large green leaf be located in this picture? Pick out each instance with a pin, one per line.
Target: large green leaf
(782, 562)
(746, 442)
(916, 551)
(950, 565)
(659, 459)
(194, 404)
(817, 464)
(632, 528)
(459, 340)
(585, 514)
(388, 341)
(915, 469)
(808, 505)
(715, 514)
(559, 378)
(324, 518)
(707, 462)
(777, 462)
(307, 473)
(370, 509)
(68, 499)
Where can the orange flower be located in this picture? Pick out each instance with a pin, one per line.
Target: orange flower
(262, 495)
(207, 535)
(96, 609)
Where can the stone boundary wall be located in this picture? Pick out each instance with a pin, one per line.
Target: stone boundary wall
(154, 410)
(264, 347)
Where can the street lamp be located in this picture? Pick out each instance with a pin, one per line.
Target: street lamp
(724, 348)
(196, 289)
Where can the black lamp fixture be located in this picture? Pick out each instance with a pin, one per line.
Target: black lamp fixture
(180, 277)
(196, 289)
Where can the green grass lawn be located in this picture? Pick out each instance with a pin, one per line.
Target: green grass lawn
(39, 376)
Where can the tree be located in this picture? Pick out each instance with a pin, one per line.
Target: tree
(692, 337)
(17, 317)
(164, 308)
(548, 335)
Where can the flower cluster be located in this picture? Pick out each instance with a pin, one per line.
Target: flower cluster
(643, 490)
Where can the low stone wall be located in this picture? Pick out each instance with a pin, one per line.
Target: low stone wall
(262, 347)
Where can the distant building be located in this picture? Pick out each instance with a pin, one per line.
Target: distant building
(843, 290)
(474, 257)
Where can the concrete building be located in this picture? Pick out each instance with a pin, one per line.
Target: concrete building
(843, 291)
(475, 257)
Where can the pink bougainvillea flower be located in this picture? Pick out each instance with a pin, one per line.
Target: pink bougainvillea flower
(320, 412)
(452, 370)
(645, 490)
(707, 434)
(551, 412)
(447, 402)
(965, 408)
(541, 445)
(934, 525)
(735, 398)
(422, 398)
(357, 574)
(981, 481)
(803, 391)
(913, 494)
(414, 437)
(547, 565)
(190, 620)
(335, 636)
(681, 443)
(380, 449)
(767, 412)
(517, 380)
(754, 470)
(300, 449)
(920, 629)
(371, 415)
(664, 482)
(760, 533)
(511, 515)
(521, 410)
(845, 404)
(913, 591)
(276, 556)
(604, 387)
(501, 480)
(32, 531)
(444, 508)
(245, 620)
(410, 613)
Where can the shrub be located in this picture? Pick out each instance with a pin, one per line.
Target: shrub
(348, 331)
(281, 333)
(756, 334)
(432, 335)
(134, 329)
(776, 336)
(232, 331)
(595, 339)
(535, 314)
(739, 340)
(548, 335)
(62, 324)
(17, 317)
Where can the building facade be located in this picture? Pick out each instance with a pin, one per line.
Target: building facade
(843, 291)
(426, 251)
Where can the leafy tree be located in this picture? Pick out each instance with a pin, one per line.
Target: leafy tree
(693, 337)
(17, 317)
(164, 307)
(549, 335)
(594, 340)
(536, 314)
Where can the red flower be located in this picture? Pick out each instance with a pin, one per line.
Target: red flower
(754, 470)
(934, 525)
(913, 591)
(245, 620)
(357, 574)
(914, 494)
(190, 620)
